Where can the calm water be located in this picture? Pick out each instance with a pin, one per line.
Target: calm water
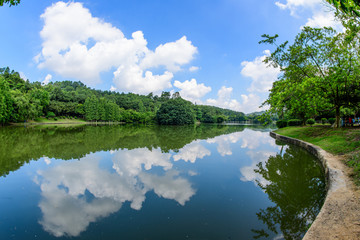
(128, 182)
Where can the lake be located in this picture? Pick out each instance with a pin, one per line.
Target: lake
(155, 182)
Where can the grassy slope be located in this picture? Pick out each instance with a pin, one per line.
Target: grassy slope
(58, 121)
(336, 141)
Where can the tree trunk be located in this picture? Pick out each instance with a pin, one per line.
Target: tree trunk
(337, 123)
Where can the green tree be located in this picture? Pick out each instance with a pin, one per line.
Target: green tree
(175, 112)
(6, 103)
(320, 73)
(10, 2)
(351, 7)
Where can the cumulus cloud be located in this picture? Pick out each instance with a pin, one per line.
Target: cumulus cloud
(191, 152)
(191, 90)
(193, 68)
(76, 193)
(47, 79)
(78, 45)
(131, 162)
(261, 74)
(224, 142)
(171, 55)
(322, 14)
(169, 186)
(224, 99)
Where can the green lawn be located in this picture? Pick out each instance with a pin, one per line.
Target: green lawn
(58, 121)
(334, 140)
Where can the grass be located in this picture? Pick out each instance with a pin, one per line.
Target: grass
(56, 121)
(339, 141)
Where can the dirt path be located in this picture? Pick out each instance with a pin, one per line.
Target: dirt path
(339, 217)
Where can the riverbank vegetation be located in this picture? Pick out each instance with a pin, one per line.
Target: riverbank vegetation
(21, 101)
(340, 141)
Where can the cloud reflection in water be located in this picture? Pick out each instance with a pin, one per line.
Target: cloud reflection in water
(76, 193)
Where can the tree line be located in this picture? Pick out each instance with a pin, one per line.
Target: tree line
(22, 100)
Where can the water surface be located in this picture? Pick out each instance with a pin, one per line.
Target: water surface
(136, 182)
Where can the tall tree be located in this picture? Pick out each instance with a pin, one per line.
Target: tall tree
(320, 73)
(6, 103)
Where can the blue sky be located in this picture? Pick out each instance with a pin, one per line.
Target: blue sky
(206, 49)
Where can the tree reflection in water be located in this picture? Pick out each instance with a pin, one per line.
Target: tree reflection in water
(297, 188)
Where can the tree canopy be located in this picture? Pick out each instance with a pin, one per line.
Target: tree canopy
(351, 7)
(10, 2)
(320, 74)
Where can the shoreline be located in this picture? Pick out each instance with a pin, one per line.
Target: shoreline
(339, 217)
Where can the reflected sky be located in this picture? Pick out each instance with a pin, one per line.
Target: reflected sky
(198, 190)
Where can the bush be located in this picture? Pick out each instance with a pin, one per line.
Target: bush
(294, 122)
(55, 118)
(323, 120)
(50, 115)
(332, 120)
(310, 121)
(281, 123)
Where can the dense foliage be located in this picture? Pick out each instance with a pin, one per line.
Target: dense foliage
(351, 7)
(175, 112)
(320, 74)
(21, 100)
(10, 2)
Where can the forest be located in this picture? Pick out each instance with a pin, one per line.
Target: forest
(22, 100)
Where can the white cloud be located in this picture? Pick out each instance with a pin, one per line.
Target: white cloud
(47, 160)
(23, 76)
(251, 103)
(171, 55)
(65, 189)
(322, 14)
(47, 79)
(130, 162)
(112, 88)
(248, 173)
(191, 90)
(224, 142)
(224, 99)
(169, 186)
(261, 74)
(294, 5)
(132, 78)
(323, 19)
(191, 152)
(78, 45)
(193, 68)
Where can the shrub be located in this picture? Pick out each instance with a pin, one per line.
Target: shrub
(332, 120)
(281, 123)
(323, 120)
(310, 121)
(50, 115)
(55, 118)
(294, 122)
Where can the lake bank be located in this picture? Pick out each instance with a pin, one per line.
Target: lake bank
(339, 216)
